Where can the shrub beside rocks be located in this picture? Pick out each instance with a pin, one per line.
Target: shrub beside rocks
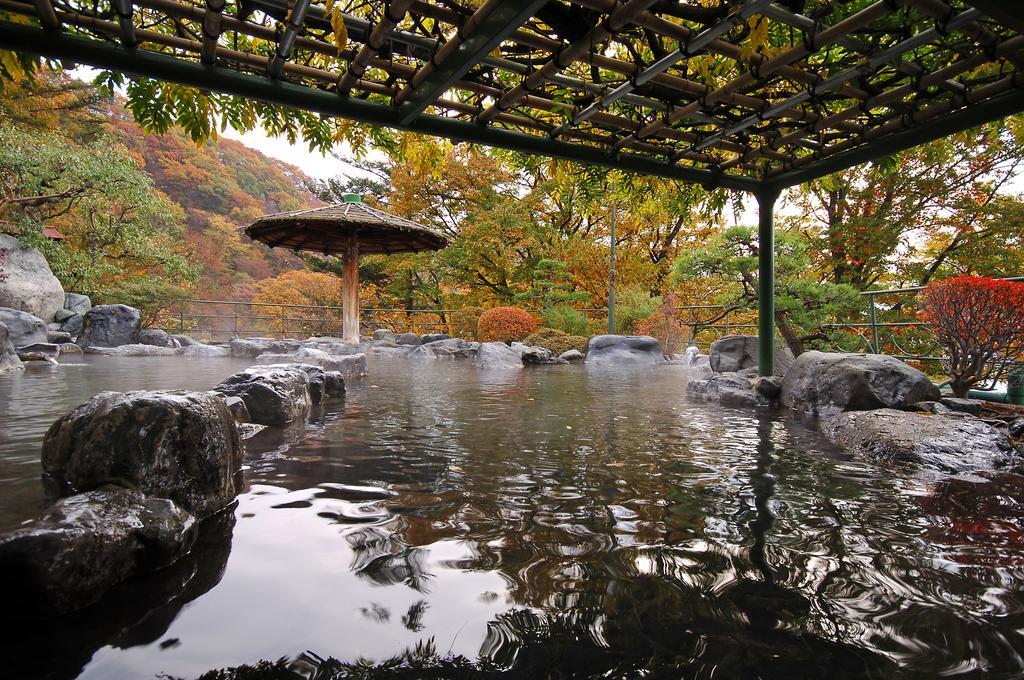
(505, 324)
(557, 341)
(824, 383)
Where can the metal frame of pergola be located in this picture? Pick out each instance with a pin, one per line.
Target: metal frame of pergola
(748, 95)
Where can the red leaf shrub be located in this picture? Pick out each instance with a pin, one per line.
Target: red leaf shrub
(980, 323)
(665, 326)
(505, 324)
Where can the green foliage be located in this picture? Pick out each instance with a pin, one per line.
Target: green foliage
(566, 319)
(803, 305)
(557, 341)
(119, 230)
(551, 286)
(632, 304)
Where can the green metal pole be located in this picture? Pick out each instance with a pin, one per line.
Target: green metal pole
(874, 325)
(611, 277)
(766, 199)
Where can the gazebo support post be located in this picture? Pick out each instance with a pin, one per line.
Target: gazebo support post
(350, 292)
(766, 199)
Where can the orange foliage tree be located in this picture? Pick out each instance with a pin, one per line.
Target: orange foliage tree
(505, 324)
(300, 287)
(980, 323)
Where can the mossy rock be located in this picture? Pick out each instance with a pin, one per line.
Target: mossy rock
(557, 341)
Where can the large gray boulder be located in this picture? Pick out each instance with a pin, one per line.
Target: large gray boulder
(197, 350)
(274, 395)
(155, 337)
(624, 350)
(9, 360)
(351, 366)
(110, 326)
(73, 325)
(443, 348)
(951, 442)
(824, 383)
(738, 352)
(407, 339)
(23, 328)
(497, 355)
(178, 445)
(133, 350)
(728, 389)
(27, 282)
(85, 544)
(76, 303)
(253, 347)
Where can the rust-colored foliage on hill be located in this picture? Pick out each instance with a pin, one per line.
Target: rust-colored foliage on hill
(505, 324)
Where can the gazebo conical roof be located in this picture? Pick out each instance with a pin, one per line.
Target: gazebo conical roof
(329, 228)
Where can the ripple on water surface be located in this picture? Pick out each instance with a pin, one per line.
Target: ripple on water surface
(559, 518)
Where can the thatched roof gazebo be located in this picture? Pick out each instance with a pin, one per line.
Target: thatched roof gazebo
(348, 229)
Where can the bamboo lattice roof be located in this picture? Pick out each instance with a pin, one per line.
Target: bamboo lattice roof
(327, 229)
(738, 93)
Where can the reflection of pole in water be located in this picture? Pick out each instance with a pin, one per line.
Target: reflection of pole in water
(763, 486)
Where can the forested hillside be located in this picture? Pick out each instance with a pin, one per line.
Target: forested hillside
(221, 185)
(147, 217)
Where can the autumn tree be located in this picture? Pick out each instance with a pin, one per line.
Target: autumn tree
(980, 323)
(804, 307)
(918, 213)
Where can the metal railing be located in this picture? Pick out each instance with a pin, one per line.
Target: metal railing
(886, 325)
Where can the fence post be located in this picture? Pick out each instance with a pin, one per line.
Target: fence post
(234, 311)
(874, 324)
(728, 320)
(181, 317)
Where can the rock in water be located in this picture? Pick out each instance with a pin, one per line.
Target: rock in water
(155, 337)
(825, 383)
(728, 389)
(739, 352)
(572, 355)
(253, 347)
(497, 355)
(407, 339)
(133, 350)
(444, 348)
(946, 443)
(624, 350)
(73, 325)
(200, 350)
(9, 360)
(29, 285)
(273, 395)
(77, 303)
(178, 445)
(23, 328)
(40, 351)
(110, 326)
(85, 544)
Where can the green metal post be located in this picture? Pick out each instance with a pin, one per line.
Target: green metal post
(766, 199)
(874, 325)
(611, 277)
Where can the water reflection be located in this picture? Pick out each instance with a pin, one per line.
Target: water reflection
(575, 523)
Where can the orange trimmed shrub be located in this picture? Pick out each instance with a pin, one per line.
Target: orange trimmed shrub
(505, 324)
